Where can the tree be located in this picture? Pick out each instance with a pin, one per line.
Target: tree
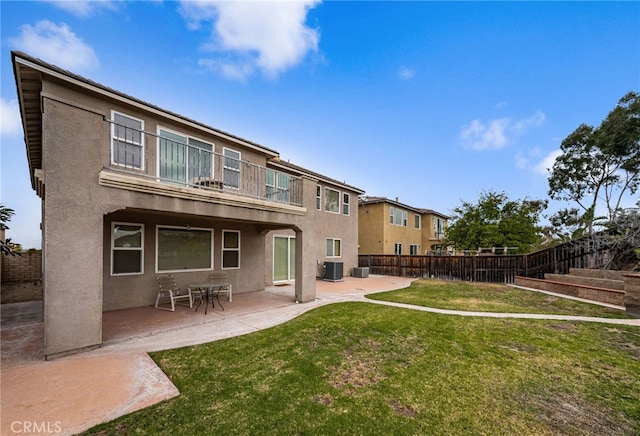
(6, 246)
(598, 167)
(495, 221)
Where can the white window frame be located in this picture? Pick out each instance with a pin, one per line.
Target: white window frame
(224, 249)
(438, 228)
(188, 147)
(337, 211)
(405, 219)
(210, 268)
(114, 248)
(346, 204)
(114, 125)
(417, 223)
(397, 248)
(391, 215)
(318, 197)
(414, 249)
(332, 254)
(399, 215)
(225, 150)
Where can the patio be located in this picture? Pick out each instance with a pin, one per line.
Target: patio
(71, 394)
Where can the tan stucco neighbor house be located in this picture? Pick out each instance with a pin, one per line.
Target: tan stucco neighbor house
(131, 191)
(389, 227)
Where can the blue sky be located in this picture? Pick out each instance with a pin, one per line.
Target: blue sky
(430, 102)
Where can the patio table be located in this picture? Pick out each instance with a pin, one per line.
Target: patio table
(208, 291)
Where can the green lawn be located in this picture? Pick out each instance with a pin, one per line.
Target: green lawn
(490, 297)
(365, 369)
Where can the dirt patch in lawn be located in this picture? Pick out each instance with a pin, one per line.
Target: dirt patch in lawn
(572, 414)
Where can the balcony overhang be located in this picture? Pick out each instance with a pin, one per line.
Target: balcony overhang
(127, 181)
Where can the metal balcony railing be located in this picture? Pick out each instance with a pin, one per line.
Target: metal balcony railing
(173, 159)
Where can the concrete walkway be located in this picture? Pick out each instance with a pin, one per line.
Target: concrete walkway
(72, 394)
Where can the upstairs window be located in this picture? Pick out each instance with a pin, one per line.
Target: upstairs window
(318, 197)
(417, 220)
(231, 168)
(391, 215)
(405, 219)
(438, 228)
(346, 203)
(399, 215)
(331, 200)
(127, 148)
(184, 159)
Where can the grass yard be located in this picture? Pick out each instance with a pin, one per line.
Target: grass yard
(491, 297)
(364, 369)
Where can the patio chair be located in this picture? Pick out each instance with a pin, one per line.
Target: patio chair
(171, 292)
(221, 277)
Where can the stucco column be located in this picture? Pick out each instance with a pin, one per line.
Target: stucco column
(305, 269)
(632, 294)
(76, 146)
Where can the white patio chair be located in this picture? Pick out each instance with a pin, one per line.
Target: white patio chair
(168, 290)
(221, 277)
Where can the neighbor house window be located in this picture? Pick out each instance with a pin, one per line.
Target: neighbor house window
(413, 249)
(231, 168)
(230, 249)
(416, 222)
(318, 197)
(346, 202)
(438, 228)
(333, 247)
(391, 215)
(331, 200)
(184, 159)
(184, 249)
(127, 252)
(405, 219)
(127, 147)
(399, 215)
(397, 248)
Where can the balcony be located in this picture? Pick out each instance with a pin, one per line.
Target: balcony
(188, 166)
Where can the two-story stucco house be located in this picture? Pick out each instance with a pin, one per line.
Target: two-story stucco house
(130, 191)
(389, 227)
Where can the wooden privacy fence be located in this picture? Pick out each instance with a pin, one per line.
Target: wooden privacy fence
(498, 269)
(581, 253)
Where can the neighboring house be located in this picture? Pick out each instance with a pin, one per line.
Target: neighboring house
(390, 227)
(130, 191)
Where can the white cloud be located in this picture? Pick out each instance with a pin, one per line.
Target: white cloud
(86, 8)
(544, 166)
(56, 43)
(490, 136)
(498, 133)
(406, 73)
(264, 35)
(10, 123)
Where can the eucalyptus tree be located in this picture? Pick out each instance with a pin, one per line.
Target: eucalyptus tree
(599, 167)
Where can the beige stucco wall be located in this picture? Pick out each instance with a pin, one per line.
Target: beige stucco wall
(379, 236)
(78, 210)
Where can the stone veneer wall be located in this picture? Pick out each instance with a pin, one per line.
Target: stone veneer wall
(21, 277)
